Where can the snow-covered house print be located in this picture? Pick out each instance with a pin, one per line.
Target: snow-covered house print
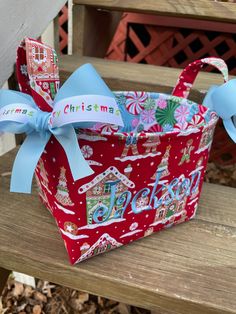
(165, 212)
(98, 191)
(104, 243)
(207, 136)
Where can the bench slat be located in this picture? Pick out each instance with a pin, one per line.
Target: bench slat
(201, 9)
(131, 76)
(186, 269)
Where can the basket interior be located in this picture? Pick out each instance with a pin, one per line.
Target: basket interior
(157, 113)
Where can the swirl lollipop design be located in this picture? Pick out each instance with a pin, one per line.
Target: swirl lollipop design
(135, 102)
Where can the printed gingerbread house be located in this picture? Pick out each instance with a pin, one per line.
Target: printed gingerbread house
(104, 243)
(98, 191)
(165, 212)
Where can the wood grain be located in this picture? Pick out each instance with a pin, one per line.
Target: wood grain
(4, 274)
(201, 9)
(190, 268)
(19, 19)
(130, 76)
(93, 30)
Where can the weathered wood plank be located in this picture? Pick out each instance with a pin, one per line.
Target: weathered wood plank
(19, 19)
(93, 30)
(130, 76)
(201, 9)
(4, 274)
(186, 269)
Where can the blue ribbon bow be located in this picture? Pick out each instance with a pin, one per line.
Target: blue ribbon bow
(222, 99)
(19, 114)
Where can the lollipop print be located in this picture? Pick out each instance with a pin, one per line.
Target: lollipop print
(105, 128)
(87, 151)
(155, 128)
(135, 102)
(181, 113)
(109, 128)
(148, 116)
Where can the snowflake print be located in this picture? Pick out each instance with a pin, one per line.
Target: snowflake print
(135, 102)
(161, 103)
(148, 116)
(45, 85)
(23, 69)
(70, 227)
(181, 113)
(87, 151)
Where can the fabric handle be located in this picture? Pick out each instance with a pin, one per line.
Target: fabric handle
(189, 74)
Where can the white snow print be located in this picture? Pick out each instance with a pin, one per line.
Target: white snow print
(195, 209)
(46, 188)
(196, 170)
(136, 157)
(74, 237)
(133, 226)
(94, 163)
(160, 182)
(193, 201)
(188, 131)
(203, 148)
(128, 234)
(107, 223)
(87, 151)
(91, 138)
(65, 210)
(156, 223)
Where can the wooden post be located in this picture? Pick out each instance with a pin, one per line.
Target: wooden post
(4, 274)
(92, 30)
(56, 34)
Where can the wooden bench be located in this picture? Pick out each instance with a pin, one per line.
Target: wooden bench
(187, 269)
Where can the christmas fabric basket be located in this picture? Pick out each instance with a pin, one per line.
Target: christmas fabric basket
(110, 167)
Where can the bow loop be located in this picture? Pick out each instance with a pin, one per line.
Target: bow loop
(222, 100)
(83, 100)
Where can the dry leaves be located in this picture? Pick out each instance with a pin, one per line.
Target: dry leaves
(225, 175)
(54, 299)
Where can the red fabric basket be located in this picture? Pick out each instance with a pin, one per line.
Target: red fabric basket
(147, 177)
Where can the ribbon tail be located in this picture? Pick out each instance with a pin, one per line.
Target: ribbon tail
(68, 140)
(26, 162)
(230, 128)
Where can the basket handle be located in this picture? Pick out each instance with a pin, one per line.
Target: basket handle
(189, 74)
(221, 98)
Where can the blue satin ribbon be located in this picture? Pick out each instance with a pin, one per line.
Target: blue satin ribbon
(40, 125)
(222, 99)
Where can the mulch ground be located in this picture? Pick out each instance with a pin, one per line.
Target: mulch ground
(49, 298)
